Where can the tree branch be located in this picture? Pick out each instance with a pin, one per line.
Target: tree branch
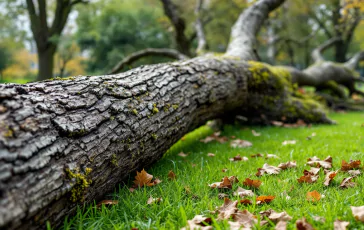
(317, 53)
(179, 25)
(34, 19)
(243, 34)
(43, 15)
(199, 29)
(353, 62)
(321, 24)
(147, 52)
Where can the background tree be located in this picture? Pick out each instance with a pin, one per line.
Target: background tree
(45, 36)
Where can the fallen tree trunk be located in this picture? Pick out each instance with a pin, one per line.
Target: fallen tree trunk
(66, 142)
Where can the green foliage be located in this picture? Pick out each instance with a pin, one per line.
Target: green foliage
(112, 29)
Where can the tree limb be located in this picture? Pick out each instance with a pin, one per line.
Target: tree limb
(34, 19)
(317, 52)
(353, 62)
(243, 34)
(199, 29)
(147, 52)
(43, 15)
(321, 24)
(170, 10)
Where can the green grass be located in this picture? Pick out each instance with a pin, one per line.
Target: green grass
(344, 141)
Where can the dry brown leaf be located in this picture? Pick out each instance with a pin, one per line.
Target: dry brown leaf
(302, 224)
(107, 203)
(221, 196)
(199, 222)
(210, 155)
(289, 164)
(329, 177)
(171, 175)
(257, 155)
(289, 142)
(319, 219)
(281, 225)
(215, 137)
(347, 183)
(268, 169)
(358, 212)
(313, 196)
(238, 158)
(316, 162)
(237, 226)
(256, 134)
(240, 143)
(354, 173)
(252, 183)
(152, 200)
(143, 178)
(345, 166)
(308, 178)
(225, 184)
(182, 154)
(155, 182)
(264, 199)
(245, 218)
(227, 209)
(275, 216)
(277, 123)
(245, 201)
(271, 156)
(340, 225)
(313, 171)
(224, 170)
(233, 179)
(243, 192)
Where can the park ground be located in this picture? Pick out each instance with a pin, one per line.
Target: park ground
(189, 194)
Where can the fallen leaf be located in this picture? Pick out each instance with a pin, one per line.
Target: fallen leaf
(319, 219)
(340, 225)
(243, 192)
(308, 177)
(264, 199)
(143, 178)
(302, 224)
(227, 209)
(277, 123)
(210, 155)
(347, 183)
(268, 169)
(275, 216)
(313, 196)
(198, 222)
(291, 142)
(155, 182)
(233, 179)
(316, 162)
(256, 134)
(240, 143)
(237, 226)
(152, 200)
(257, 155)
(281, 225)
(271, 156)
(289, 164)
(215, 137)
(358, 212)
(221, 196)
(245, 218)
(171, 175)
(329, 177)
(224, 184)
(238, 158)
(224, 170)
(107, 203)
(354, 173)
(313, 171)
(245, 201)
(252, 183)
(351, 165)
(182, 154)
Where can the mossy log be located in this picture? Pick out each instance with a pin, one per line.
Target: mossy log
(66, 142)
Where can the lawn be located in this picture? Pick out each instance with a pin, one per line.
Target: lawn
(344, 141)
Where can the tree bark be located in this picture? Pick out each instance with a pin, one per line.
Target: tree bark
(46, 63)
(70, 141)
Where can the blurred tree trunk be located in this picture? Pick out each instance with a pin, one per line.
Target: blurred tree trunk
(46, 63)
